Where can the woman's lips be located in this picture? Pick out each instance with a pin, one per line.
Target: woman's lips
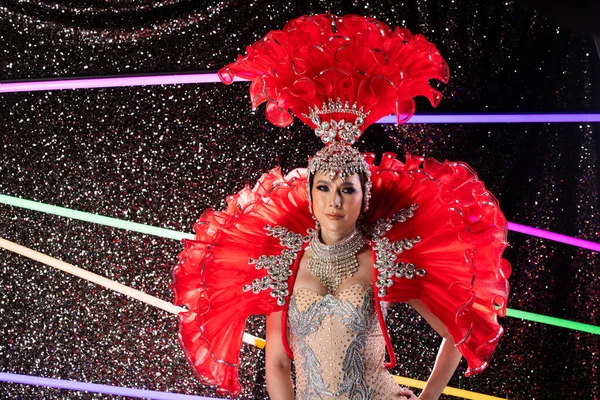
(334, 216)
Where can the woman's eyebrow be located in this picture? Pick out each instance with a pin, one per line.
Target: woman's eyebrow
(322, 182)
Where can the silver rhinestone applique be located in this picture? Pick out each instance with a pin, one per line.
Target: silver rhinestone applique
(278, 267)
(387, 252)
(302, 324)
(360, 319)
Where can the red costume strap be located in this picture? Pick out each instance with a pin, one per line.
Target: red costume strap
(381, 319)
(284, 314)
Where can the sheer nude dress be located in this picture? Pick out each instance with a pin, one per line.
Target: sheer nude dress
(338, 346)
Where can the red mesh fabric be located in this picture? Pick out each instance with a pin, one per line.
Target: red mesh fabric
(318, 58)
(213, 269)
(463, 236)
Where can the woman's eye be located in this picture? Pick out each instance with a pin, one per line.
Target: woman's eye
(348, 190)
(323, 188)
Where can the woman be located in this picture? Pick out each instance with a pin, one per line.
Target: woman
(337, 206)
(429, 233)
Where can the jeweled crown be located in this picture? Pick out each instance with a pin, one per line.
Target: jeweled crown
(338, 159)
(341, 130)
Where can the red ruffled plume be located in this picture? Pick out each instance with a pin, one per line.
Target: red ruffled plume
(319, 58)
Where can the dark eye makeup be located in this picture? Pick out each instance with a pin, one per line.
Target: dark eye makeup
(345, 190)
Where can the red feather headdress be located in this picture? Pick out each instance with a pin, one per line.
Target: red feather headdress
(326, 70)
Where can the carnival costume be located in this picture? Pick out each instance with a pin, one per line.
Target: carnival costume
(437, 234)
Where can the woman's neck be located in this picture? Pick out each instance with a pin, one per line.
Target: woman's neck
(330, 238)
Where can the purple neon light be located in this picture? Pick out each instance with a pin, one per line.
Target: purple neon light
(96, 388)
(557, 237)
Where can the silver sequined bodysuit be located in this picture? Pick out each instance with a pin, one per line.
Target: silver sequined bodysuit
(338, 346)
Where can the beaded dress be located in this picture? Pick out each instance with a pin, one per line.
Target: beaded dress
(436, 233)
(338, 345)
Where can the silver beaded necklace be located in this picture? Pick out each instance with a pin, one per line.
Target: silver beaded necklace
(332, 264)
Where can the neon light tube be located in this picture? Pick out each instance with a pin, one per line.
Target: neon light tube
(544, 319)
(557, 237)
(172, 234)
(106, 82)
(195, 78)
(96, 388)
(488, 118)
(95, 218)
(250, 339)
(151, 230)
(116, 390)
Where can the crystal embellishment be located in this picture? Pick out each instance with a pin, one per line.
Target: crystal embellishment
(334, 263)
(348, 132)
(279, 268)
(387, 252)
(359, 320)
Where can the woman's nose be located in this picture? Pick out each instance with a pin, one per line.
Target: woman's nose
(336, 200)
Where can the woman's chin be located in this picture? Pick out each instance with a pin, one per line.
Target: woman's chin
(337, 228)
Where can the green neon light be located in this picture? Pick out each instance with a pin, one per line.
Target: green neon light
(544, 319)
(94, 218)
(172, 234)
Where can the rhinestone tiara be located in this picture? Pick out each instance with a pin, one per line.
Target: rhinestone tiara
(332, 130)
(338, 159)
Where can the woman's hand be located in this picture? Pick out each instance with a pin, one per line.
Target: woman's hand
(407, 394)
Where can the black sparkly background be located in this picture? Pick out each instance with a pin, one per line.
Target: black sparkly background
(160, 155)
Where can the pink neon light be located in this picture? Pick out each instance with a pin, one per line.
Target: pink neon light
(89, 83)
(557, 237)
(500, 118)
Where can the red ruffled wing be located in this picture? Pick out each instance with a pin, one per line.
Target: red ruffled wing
(463, 236)
(213, 269)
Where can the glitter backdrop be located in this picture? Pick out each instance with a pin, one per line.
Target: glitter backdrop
(160, 155)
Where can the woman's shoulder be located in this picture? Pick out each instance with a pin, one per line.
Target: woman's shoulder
(365, 255)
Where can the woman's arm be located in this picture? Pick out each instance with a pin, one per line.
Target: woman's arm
(447, 359)
(278, 364)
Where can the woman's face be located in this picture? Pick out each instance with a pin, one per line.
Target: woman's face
(337, 204)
